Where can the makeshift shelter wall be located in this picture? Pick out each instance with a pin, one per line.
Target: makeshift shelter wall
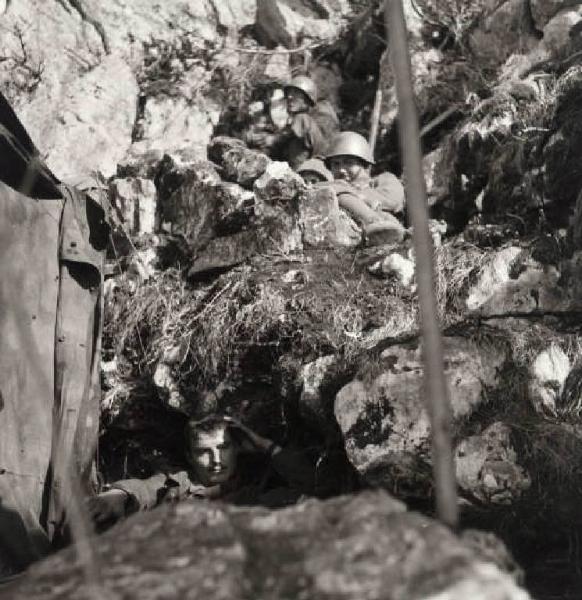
(29, 288)
(50, 326)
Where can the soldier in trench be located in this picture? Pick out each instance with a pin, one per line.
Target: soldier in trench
(309, 125)
(213, 448)
(373, 202)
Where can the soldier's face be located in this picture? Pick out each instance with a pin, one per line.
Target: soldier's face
(311, 178)
(213, 456)
(348, 168)
(296, 101)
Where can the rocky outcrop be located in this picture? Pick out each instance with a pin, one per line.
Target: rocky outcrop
(365, 546)
(385, 421)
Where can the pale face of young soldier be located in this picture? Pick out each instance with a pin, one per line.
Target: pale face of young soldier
(297, 101)
(213, 456)
(348, 168)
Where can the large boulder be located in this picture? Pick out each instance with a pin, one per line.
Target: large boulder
(352, 547)
(384, 417)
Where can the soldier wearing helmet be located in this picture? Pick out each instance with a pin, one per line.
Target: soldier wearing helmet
(309, 125)
(314, 171)
(372, 201)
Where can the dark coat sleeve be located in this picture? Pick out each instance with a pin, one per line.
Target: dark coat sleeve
(293, 466)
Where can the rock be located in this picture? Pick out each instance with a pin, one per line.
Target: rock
(289, 22)
(384, 419)
(234, 208)
(432, 169)
(176, 167)
(542, 11)
(278, 193)
(278, 185)
(547, 375)
(322, 220)
(140, 164)
(174, 123)
(234, 14)
(486, 466)
(135, 200)
(168, 388)
(225, 252)
(396, 266)
(514, 282)
(220, 145)
(495, 274)
(244, 166)
(560, 33)
(311, 403)
(90, 125)
(503, 31)
(351, 547)
(274, 228)
(189, 210)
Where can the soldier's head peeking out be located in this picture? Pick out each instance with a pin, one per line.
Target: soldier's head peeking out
(211, 450)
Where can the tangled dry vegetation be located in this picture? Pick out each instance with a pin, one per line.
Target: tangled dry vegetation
(321, 305)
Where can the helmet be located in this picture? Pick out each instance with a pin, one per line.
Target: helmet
(315, 165)
(350, 143)
(306, 85)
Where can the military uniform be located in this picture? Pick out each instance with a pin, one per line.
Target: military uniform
(172, 484)
(371, 201)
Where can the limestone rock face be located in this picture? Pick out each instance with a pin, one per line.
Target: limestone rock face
(352, 547)
(384, 419)
(85, 125)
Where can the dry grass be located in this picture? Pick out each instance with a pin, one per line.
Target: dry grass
(456, 267)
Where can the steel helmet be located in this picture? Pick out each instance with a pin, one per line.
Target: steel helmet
(350, 143)
(306, 85)
(315, 165)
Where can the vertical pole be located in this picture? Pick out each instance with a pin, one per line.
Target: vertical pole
(375, 120)
(435, 388)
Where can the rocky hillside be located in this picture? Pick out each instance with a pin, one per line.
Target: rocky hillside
(233, 287)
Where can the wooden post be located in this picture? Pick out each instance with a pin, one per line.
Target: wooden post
(375, 120)
(435, 388)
